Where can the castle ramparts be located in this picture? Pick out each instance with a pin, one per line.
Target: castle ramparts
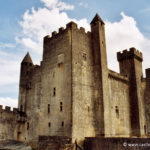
(62, 30)
(8, 109)
(132, 53)
(73, 94)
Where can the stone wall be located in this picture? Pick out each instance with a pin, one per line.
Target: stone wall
(55, 102)
(74, 94)
(130, 63)
(146, 92)
(119, 106)
(83, 108)
(54, 143)
(8, 123)
(117, 144)
(33, 93)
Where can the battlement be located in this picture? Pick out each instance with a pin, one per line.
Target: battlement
(61, 30)
(8, 109)
(118, 77)
(147, 72)
(148, 76)
(132, 53)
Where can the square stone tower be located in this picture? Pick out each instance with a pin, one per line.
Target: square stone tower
(74, 95)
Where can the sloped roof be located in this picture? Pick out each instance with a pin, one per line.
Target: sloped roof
(27, 58)
(96, 19)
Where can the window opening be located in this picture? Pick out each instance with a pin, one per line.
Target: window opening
(61, 106)
(54, 91)
(117, 112)
(62, 124)
(28, 126)
(48, 108)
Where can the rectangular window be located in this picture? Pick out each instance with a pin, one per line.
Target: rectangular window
(62, 124)
(21, 108)
(145, 129)
(49, 124)
(61, 106)
(84, 56)
(27, 125)
(117, 112)
(54, 91)
(88, 109)
(48, 108)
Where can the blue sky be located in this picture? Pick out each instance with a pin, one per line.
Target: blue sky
(23, 23)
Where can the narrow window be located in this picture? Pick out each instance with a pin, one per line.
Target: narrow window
(48, 108)
(49, 124)
(88, 109)
(27, 125)
(54, 91)
(61, 106)
(27, 72)
(18, 136)
(117, 112)
(21, 108)
(145, 129)
(84, 56)
(62, 124)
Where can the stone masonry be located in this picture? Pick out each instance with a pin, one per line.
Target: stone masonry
(73, 94)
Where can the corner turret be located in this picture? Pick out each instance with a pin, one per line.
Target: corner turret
(147, 100)
(97, 18)
(100, 71)
(27, 59)
(148, 77)
(130, 63)
(26, 67)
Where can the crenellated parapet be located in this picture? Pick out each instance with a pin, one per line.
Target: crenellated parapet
(7, 109)
(71, 25)
(118, 77)
(148, 72)
(148, 77)
(128, 54)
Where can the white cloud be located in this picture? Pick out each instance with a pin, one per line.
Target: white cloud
(83, 4)
(145, 10)
(35, 25)
(38, 23)
(119, 35)
(9, 77)
(57, 4)
(7, 101)
(10, 66)
(7, 45)
(123, 35)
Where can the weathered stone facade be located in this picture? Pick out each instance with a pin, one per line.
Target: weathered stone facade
(73, 94)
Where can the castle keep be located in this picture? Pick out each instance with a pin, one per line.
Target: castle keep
(73, 94)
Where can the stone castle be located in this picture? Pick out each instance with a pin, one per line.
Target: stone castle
(73, 94)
